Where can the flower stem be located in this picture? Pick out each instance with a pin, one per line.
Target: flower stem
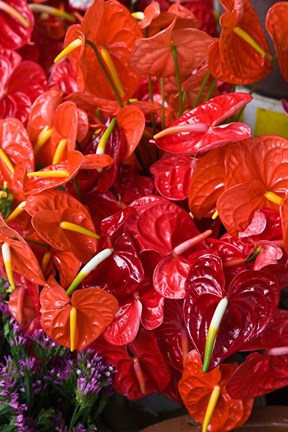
(106, 73)
(178, 78)
(201, 90)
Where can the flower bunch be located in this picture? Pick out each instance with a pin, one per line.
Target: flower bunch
(141, 221)
(43, 386)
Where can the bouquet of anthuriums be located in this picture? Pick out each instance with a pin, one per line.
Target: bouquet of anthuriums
(144, 229)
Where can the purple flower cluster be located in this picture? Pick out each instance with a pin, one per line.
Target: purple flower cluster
(93, 374)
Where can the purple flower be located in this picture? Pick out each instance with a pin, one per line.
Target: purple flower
(93, 374)
(60, 369)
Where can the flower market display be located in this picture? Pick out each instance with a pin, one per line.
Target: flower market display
(143, 226)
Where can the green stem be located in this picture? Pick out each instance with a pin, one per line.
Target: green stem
(162, 103)
(151, 97)
(211, 89)
(201, 90)
(106, 73)
(178, 78)
(75, 416)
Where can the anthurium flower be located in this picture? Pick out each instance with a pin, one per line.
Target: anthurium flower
(242, 310)
(241, 55)
(172, 335)
(141, 367)
(94, 308)
(53, 212)
(198, 389)
(207, 183)
(63, 77)
(54, 126)
(15, 150)
(16, 24)
(24, 302)
(196, 131)
(276, 23)
(255, 185)
(23, 260)
(54, 175)
(172, 175)
(20, 85)
(265, 371)
(154, 55)
(113, 31)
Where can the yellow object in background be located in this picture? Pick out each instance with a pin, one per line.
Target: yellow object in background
(265, 116)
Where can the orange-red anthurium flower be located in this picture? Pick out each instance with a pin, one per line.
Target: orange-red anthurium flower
(50, 209)
(241, 55)
(77, 321)
(261, 182)
(206, 398)
(276, 24)
(23, 260)
(154, 55)
(113, 31)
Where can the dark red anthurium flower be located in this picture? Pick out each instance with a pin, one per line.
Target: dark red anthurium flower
(196, 131)
(16, 24)
(256, 185)
(241, 55)
(63, 78)
(196, 389)
(20, 85)
(207, 183)
(141, 367)
(172, 335)
(276, 23)
(95, 309)
(23, 260)
(172, 175)
(49, 209)
(251, 377)
(250, 302)
(113, 31)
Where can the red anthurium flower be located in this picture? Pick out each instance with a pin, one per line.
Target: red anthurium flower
(284, 220)
(23, 260)
(172, 335)
(21, 306)
(255, 185)
(125, 325)
(16, 24)
(53, 212)
(196, 131)
(276, 23)
(130, 185)
(265, 371)
(95, 309)
(113, 31)
(132, 122)
(207, 183)
(54, 175)
(21, 84)
(244, 308)
(53, 127)
(154, 55)
(122, 272)
(196, 389)
(241, 55)
(141, 368)
(159, 225)
(63, 78)
(172, 174)
(15, 150)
